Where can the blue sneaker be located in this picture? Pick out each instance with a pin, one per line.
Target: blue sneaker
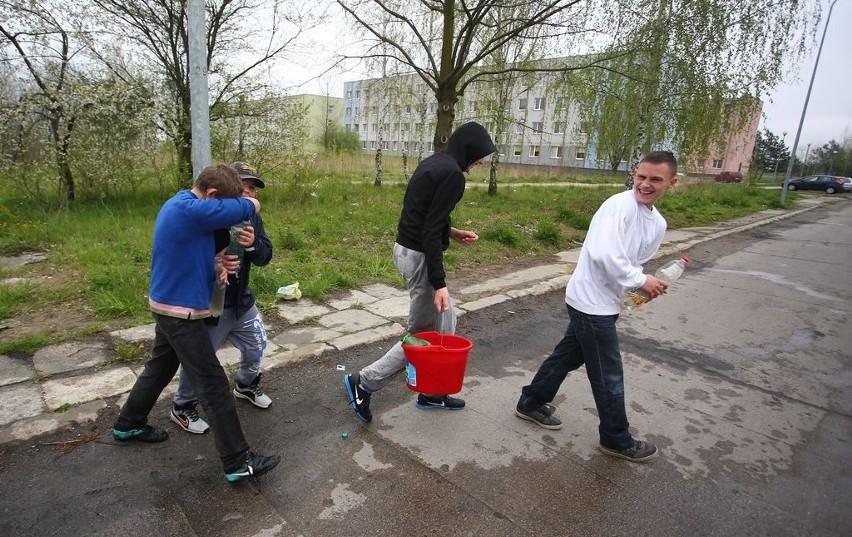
(359, 397)
(255, 465)
(439, 401)
(142, 434)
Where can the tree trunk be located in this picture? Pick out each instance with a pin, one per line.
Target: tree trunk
(447, 99)
(61, 146)
(492, 173)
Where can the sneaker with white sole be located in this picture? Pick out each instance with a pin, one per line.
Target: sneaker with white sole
(445, 402)
(188, 420)
(359, 397)
(252, 393)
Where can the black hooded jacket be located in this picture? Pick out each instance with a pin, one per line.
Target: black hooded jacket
(432, 193)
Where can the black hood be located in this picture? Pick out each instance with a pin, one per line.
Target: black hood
(469, 143)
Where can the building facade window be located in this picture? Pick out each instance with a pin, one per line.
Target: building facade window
(538, 103)
(581, 155)
(519, 129)
(537, 126)
(522, 104)
(717, 163)
(558, 127)
(518, 150)
(556, 152)
(364, 144)
(535, 150)
(372, 144)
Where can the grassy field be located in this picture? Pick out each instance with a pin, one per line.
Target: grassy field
(334, 230)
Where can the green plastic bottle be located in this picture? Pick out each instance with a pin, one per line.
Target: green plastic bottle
(408, 339)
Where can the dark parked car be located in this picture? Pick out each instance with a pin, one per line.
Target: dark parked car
(729, 177)
(830, 184)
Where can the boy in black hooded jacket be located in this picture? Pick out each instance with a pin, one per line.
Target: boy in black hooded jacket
(423, 233)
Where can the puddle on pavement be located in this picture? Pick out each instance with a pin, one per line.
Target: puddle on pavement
(781, 280)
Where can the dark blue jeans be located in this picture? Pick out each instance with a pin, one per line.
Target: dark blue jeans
(593, 341)
(187, 342)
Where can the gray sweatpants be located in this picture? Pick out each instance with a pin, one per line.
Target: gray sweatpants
(422, 316)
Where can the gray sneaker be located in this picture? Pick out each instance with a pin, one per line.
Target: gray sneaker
(640, 451)
(541, 416)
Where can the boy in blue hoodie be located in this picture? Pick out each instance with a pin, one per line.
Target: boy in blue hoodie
(183, 276)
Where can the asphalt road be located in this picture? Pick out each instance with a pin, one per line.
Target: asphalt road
(741, 375)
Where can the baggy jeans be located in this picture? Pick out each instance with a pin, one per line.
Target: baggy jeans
(591, 340)
(186, 342)
(421, 317)
(246, 334)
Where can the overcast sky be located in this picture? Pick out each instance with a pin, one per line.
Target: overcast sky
(828, 117)
(829, 112)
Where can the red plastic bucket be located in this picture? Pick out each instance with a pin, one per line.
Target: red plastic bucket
(437, 368)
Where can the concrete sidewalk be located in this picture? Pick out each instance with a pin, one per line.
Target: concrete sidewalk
(71, 382)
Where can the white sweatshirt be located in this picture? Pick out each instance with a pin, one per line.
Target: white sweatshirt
(623, 235)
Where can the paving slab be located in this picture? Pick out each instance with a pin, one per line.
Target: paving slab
(382, 291)
(351, 321)
(71, 356)
(84, 388)
(367, 336)
(44, 423)
(296, 337)
(515, 279)
(483, 303)
(396, 307)
(282, 357)
(136, 334)
(13, 371)
(350, 299)
(297, 312)
(22, 400)
(19, 261)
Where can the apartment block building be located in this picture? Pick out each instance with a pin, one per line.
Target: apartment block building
(532, 122)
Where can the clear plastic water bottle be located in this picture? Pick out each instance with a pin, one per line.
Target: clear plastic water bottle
(668, 273)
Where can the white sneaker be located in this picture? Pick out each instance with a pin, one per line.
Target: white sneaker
(188, 420)
(252, 393)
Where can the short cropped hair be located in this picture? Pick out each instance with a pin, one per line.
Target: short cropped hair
(223, 178)
(661, 157)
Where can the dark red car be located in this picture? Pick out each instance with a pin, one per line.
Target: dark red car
(729, 177)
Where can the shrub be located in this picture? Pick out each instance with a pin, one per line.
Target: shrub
(548, 233)
(502, 234)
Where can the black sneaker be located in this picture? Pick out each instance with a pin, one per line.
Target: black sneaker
(359, 396)
(255, 465)
(541, 416)
(142, 434)
(439, 401)
(640, 451)
(252, 393)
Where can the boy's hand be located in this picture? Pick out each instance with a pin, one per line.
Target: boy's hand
(442, 300)
(654, 287)
(245, 236)
(463, 236)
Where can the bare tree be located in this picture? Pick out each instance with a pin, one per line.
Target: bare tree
(43, 44)
(446, 42)
(243, 37)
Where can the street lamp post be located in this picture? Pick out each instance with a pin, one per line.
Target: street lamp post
(805, 161)
(805, 107)
(777, 157)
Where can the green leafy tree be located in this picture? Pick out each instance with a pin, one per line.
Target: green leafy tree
(337, 140)
(698, 70)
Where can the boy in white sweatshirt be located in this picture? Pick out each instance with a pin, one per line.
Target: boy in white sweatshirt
(625, 232)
